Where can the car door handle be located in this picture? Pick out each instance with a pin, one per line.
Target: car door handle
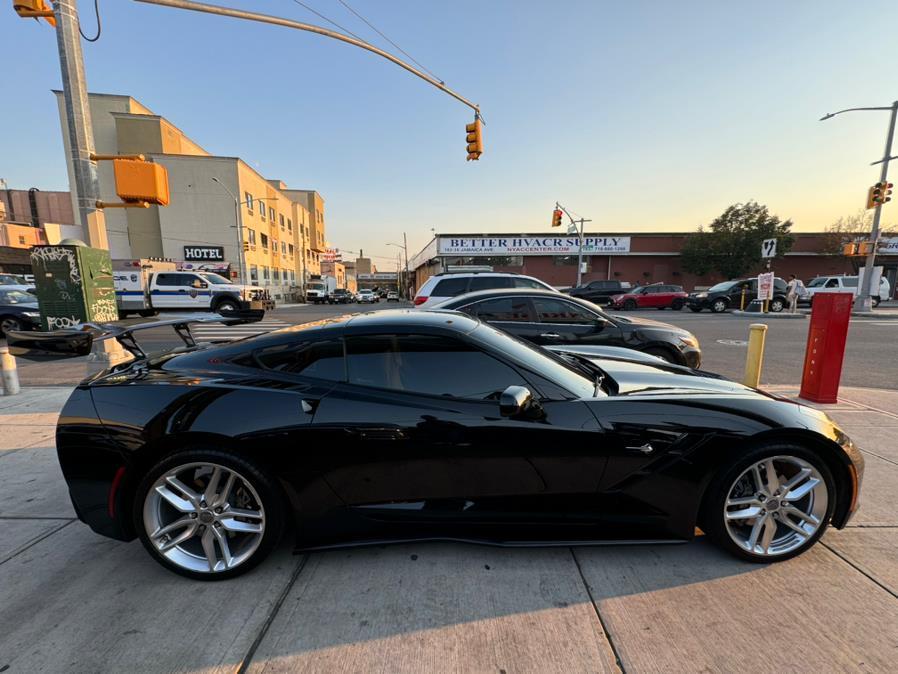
(376, 433)
(309, 406)
(182, 290)
(550, 335)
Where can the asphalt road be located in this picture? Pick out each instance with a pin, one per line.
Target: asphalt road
(870, 358)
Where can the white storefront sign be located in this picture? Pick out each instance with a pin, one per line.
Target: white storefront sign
(533, 245)
(888, 246)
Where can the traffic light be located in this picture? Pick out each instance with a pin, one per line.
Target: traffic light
(474, 139)
(246, 246)
(865, 248)
(879, 193)
(556, 217)
(34, 9)
(141, 181)
(849, 249)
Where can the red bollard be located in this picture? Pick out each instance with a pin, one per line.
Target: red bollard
(827, 335)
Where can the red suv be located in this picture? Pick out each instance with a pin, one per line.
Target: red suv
(659, 296)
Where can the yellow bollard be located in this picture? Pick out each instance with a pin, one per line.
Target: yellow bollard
(9, 374)
(754, 359)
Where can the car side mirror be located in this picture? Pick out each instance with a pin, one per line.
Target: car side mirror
(518, 401)
(600, 323)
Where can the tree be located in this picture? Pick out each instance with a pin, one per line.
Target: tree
(851, 228)
(731, 245)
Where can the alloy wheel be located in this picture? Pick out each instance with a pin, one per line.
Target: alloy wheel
(204, 517)
(719, 306)
(776, 306)
(775, 506)
(9, 324)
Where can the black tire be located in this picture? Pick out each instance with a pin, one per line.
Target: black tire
(777, 304)
(876, 299)
(695, 310)
(270, 493)
(630, 305)
(226, 305)
(661, 352)
(661, 308)
(10, 323)
(719, 305)
(677, 305)
(713, 505)
(148, 313)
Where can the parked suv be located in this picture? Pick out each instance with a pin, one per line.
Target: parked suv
(729, 294)
(599, 292)
(844, 284)
(657, 295)
(442, 287)
(341, 296)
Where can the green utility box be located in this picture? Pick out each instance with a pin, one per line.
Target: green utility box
(74, 285)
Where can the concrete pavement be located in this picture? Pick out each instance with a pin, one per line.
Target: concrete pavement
(73, 601)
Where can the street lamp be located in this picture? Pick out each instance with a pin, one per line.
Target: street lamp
(862, 302)
(404, 247)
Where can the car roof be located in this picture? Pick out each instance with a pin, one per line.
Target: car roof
(479, 273)
(505, 292)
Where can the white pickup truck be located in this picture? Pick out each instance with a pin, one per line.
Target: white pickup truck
(145, 292)
(844, 284)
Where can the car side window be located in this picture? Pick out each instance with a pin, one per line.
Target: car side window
(528, 283)
(321, 360)
(501, 309)
(489, 283)
(168, 280)
(451, 287)
(832, 283)
(560, 311)
(428, 365)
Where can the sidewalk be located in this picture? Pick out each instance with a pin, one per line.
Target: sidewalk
(73, 601)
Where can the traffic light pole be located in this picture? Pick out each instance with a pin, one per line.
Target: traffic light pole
(80, 131)
(863, 301)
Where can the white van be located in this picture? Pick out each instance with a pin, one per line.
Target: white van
(845, 284)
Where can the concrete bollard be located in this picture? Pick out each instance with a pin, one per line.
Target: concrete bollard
(10, 375)
(754, 359)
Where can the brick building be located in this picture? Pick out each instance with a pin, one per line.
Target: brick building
(635, 257)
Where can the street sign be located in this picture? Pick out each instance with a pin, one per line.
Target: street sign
(765, 285)
(768, 248)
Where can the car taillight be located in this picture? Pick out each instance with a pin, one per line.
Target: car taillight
(420, 299)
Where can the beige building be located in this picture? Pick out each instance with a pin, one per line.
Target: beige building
(222, 212)
(337, 270)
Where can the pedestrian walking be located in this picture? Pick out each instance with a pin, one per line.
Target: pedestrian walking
(794, 290)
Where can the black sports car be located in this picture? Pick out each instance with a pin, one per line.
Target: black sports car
(549, 318)
(399, 425)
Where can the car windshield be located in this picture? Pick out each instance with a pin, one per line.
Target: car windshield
(16, 297)
(721, 287)
(215, 279)
(817, 282)
(12, 279)
(537, 359)
(316, 286)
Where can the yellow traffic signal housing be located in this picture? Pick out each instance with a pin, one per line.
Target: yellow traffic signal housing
(34, 9)
(245, 246)
(865, 248)
(474, 139)
(849, 249)
(137, 181)
(556, 217)
(879, 193)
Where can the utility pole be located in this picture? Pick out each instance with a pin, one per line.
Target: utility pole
(405, 248)
(80, 131)
(582, 221)
(862, 302)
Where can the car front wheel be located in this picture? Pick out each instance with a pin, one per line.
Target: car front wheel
(227, 306)
(719, 306)
(771, 504)
(630, 305)
(208, 514)
(777, 305)
(9, 323)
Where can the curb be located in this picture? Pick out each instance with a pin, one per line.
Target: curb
(761, 314)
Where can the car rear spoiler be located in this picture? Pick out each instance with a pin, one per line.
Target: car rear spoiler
(75, 342)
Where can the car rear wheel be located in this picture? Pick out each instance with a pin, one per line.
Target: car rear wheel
(677, 305)
(771, 504)
(718, 306)
(630, 305)
(9, 323)
(208, 515)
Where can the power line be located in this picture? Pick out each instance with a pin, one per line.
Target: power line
(333, 23)
(379, 32)
(99, 24)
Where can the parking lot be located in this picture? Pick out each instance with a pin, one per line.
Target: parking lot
(73, 601)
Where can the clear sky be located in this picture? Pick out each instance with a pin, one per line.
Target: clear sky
(642, 115)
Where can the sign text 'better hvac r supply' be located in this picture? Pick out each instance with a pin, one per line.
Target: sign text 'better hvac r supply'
(532, 245)
(204, 253)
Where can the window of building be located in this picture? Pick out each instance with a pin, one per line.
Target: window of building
(251, 236)
(491, 260)
(22, 240)
(265, 273)
(276, 274)
(289, 225)
(321, 360)
(281, 220)
(290, 249)
(429, 365)
(249, 202)
(571, 260)
(283, 248)
(293, 275)
(271, 214)
(264, 238)
(253, 273)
